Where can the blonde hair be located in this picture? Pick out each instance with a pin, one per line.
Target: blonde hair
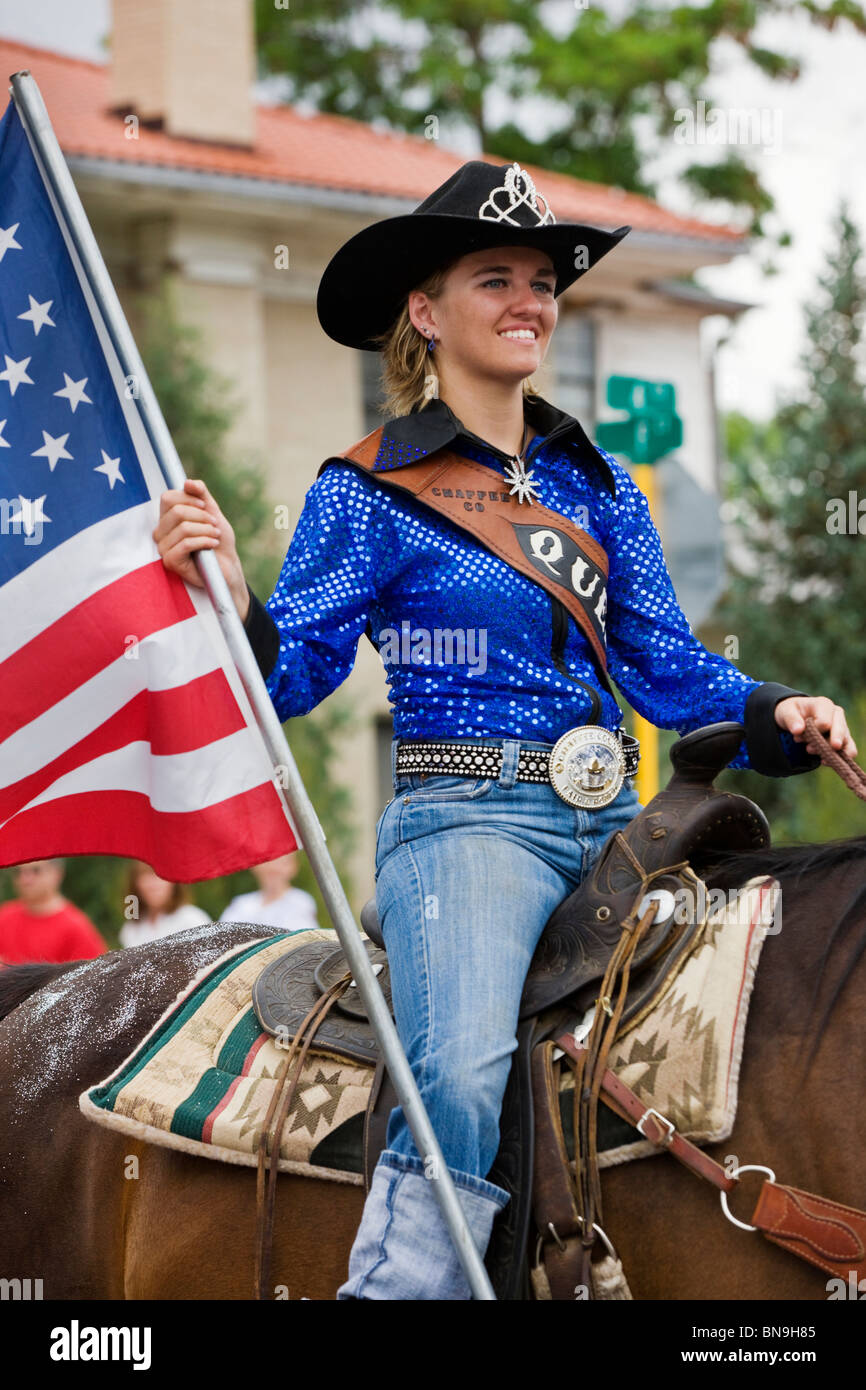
(406, 360)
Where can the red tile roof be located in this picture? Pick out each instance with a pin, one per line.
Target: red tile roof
(317, 151)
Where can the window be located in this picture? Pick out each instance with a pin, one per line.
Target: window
(371, 390)
(384, 734)
(574, 363)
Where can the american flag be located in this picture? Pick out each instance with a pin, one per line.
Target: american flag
(124, 726)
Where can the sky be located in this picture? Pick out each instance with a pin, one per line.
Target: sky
(811, 153)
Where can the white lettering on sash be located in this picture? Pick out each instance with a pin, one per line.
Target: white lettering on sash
(578, 570)
(547, 547)
(601, 609)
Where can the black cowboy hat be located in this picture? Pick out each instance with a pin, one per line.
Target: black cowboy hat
(366, 282)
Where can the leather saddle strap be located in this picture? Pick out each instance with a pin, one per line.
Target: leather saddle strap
(557, 1219)
(538, 542)
(284, 1094)
(622, 1100)
(598, 1047)
(825, 1233)
(383, 1099)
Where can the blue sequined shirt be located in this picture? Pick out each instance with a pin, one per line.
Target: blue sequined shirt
(362, 555)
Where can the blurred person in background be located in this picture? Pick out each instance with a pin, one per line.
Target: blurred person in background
(275, 903)
(159, 907)
(40, 924)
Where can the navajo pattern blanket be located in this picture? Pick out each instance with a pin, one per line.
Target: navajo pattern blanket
(203, 1077)
(683, 1057)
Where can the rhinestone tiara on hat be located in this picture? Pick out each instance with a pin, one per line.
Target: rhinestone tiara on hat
(519, 189)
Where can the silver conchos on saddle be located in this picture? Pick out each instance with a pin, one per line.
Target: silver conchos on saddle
(587, 766)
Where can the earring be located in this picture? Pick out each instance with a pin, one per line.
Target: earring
(431, 380)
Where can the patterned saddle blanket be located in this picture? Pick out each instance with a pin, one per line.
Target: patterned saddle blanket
(201, 1081)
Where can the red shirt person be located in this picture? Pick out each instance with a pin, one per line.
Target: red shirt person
(42, 925)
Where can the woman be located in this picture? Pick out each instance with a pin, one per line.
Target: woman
(158, 907)
(460, 297)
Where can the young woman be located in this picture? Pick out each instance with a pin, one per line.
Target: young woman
(160, 907)
(460, 297)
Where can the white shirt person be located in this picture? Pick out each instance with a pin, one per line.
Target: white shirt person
(275, 903)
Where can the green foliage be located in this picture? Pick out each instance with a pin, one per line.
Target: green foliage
(796, 601)
(731, 180)
(612, 78)
(198, 406)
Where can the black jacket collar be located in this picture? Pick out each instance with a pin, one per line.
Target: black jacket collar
(406, 438)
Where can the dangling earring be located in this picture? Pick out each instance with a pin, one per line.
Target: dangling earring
(431, 380)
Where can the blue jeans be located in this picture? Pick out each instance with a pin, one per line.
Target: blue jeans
(468, 871)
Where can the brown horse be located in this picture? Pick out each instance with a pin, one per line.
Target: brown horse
(95, 1215)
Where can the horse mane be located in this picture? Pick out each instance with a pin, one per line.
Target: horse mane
(795, 859)
(18, 982)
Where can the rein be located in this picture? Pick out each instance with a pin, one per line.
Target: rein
(851, 773)
(592, 1062)
(271, 1135)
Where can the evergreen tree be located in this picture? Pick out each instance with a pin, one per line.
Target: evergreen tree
(797, 498)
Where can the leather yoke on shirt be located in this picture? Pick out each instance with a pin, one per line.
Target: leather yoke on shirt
(536, 541)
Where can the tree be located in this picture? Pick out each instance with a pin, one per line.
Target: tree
(797, 501)
(198, 407)
(602, 76)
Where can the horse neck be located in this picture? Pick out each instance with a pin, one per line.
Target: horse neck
(799, 1103)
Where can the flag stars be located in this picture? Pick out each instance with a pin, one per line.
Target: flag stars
(74, 392)
(53, 449)
(31, 514)
(111, 469)
(7, 240)
(4, 443)
(16, 372)
(38, 314)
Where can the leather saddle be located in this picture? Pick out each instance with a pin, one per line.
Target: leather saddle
(689, 822)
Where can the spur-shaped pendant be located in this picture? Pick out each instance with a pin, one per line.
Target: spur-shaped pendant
(523, 485)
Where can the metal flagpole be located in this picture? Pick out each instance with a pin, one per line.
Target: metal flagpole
(34, 117)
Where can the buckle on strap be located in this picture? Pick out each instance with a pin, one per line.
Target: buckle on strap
(663, 1123)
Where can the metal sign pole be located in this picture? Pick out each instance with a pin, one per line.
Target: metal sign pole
(34, 117)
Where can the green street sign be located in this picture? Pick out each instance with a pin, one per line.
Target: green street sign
(653, 429)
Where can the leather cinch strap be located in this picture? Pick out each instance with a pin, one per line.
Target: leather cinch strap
(824, 1233)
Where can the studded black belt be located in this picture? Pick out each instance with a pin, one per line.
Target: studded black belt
(533, 764)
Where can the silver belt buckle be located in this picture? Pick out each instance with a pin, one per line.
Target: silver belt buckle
(587, 766)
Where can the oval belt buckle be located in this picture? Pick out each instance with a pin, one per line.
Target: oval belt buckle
(587, 766)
